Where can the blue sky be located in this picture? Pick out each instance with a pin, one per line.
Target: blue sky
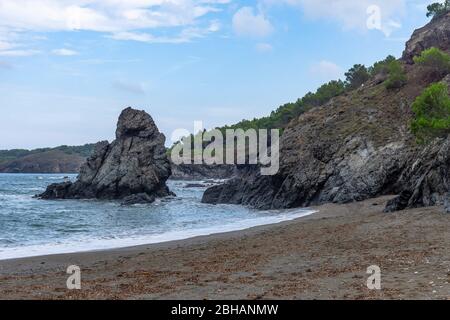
(68, 67)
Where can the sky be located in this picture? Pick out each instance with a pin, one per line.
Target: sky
(68, 67)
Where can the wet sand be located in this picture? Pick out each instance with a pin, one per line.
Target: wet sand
(322, 256)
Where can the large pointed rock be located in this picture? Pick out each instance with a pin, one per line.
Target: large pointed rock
(133, 164)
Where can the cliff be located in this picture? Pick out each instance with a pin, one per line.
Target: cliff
(355, 147)
(434, 34)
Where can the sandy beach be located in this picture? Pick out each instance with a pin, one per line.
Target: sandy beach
(322, 256)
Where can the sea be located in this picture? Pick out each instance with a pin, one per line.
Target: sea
(33, 227)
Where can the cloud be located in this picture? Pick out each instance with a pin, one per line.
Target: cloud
(326, 70)
(264, 47)
(351, 14)
(186, 35)
(101, 15)
(9, 47)
(123, 19)
(130, 87)
(19, 53)
(247, 23)
(64, 52)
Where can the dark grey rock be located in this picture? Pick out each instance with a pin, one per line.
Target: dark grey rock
(434, 34)
(357, 146)
(202, 171)
(134, 163)
(447, 203)
(426, 182)
(195, 185)
(141, 198)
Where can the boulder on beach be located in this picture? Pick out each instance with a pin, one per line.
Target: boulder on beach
(133, 167)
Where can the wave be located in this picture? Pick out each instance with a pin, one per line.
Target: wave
(95, 244)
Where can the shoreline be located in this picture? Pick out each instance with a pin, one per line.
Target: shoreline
(202, 232)
(321, 256)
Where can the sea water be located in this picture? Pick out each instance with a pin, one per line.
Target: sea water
(33, 227)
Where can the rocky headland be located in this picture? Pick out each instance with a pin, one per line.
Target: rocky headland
(133, 168)
(355, 147)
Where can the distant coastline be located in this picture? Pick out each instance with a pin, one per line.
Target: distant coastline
(62, 159)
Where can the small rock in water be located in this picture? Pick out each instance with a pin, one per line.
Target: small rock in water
(195, 185)
(140, 198)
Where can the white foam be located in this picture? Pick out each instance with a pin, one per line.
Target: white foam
(95, 244)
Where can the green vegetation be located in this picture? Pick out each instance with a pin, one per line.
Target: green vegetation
(391, 67)
(436, 60)
(397, 76)
(9, 155)
(432, 109)
(356, 76)
(381, 66)
(285, 113)
(438, 9)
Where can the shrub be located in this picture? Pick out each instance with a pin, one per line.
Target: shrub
(397, 76)
(432, 110)
(436, 60)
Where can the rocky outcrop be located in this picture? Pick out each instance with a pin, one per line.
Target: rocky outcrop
(426, 182)
(134, 167)
(447, 203)
(202, 172)
(355, 147)
(435, 34)
(351, 149)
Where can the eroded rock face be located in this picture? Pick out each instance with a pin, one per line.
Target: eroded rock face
(202, 171)
(427, 181)
(447, 203)
(435, 34)
(356, 147)
(351, 149)
(133, 164)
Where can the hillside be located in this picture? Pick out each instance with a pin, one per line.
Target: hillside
(356, 146)
(63, 159)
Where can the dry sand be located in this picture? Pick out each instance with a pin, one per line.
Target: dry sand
(323, 256)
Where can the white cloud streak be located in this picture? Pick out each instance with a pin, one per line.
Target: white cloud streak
(121, 19)
(64, 52)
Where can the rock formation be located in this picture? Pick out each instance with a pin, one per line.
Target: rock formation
(435, 34)
(133, 168)
(426, 182)
(447, 203)
(202, 171)
(355, 147)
